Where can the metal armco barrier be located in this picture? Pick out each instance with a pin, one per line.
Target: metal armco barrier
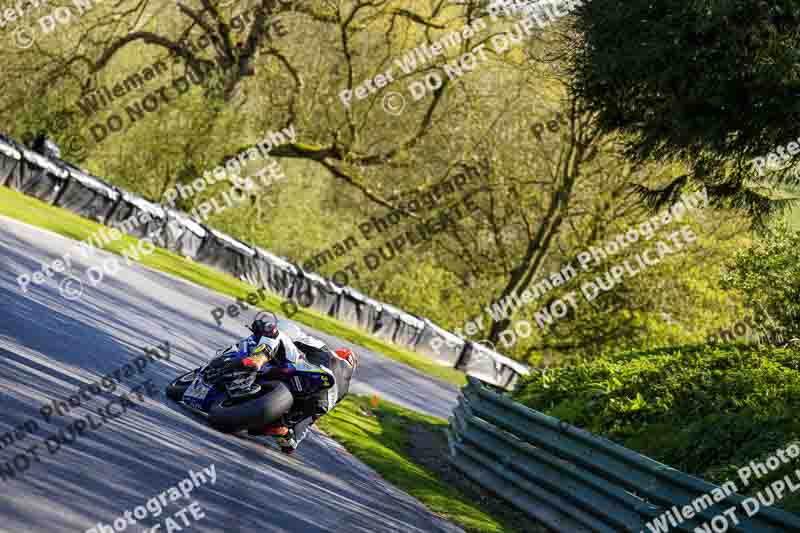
(61, 184)
(569, 480)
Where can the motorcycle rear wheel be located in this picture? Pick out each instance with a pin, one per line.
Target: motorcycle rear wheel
(272, 402)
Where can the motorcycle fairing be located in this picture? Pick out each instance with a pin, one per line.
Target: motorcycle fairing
(213, 395)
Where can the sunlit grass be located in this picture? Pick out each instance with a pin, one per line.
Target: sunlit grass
(378, 436)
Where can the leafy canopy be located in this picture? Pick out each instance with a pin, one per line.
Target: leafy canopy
(712, 84)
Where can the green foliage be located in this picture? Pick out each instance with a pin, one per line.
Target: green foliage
(703, 410)
(712, 83)
(768, 276)
(677, 301)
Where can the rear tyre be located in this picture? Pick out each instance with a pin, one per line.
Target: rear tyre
(176, 389)
(274, 400)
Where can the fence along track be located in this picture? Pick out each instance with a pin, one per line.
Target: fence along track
(572, 481)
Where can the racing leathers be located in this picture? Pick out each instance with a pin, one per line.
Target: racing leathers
(307, 354)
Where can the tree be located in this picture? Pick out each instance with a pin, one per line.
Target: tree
(299, 80)
(709, 84)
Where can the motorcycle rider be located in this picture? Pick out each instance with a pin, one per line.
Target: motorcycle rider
(302, 353)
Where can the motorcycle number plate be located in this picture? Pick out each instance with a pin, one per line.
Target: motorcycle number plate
(197, 392)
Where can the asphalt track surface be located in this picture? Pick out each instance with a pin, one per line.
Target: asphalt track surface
(49, 346)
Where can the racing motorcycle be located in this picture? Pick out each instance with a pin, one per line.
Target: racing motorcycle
(232, 395)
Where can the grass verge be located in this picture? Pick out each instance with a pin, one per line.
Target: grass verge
(706, 410)
(386, 437)
(37, 213)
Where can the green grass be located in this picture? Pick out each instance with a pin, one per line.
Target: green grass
(378, 437)
(703, 409)
(37, 213)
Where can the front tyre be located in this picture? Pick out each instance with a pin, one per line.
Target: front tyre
(274, 400)
(176, 389)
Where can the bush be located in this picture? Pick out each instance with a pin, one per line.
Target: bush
(701, 409)
(768, 276)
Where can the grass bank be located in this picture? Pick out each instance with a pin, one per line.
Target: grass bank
(409, 450)
(37, 213)
(705, 410)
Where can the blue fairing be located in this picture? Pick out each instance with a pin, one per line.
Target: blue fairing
(214, 395)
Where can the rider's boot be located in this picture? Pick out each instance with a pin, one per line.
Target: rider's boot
(295, 435)
(288, 442)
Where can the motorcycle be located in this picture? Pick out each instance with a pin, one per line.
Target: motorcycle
(233, 395)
